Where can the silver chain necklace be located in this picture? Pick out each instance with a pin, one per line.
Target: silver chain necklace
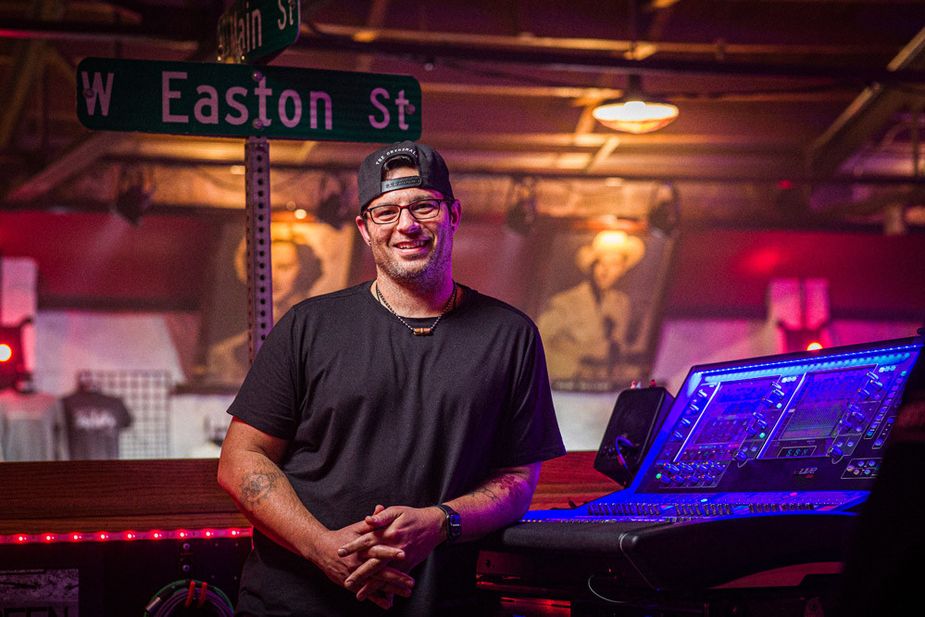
(419, 331)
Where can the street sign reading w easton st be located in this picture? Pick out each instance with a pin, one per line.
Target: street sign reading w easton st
(236, 100)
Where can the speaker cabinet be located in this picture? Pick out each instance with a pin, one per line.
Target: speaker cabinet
(636, 418)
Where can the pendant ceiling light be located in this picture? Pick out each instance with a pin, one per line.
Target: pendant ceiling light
(635, 112)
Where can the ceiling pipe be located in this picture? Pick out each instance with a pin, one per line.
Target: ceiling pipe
(593, 60)
(574, 59)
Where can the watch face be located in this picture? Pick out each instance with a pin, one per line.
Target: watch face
(453, 523)
(453, 527)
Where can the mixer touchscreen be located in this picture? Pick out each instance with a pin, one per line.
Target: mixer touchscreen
(792, 421)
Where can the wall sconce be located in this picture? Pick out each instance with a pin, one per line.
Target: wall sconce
(333, 208)
(664, 209)
(135, 190)
(522, 215)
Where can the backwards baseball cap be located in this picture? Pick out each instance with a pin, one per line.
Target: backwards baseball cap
(432, 171)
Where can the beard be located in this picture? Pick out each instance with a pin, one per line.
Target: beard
(427, 272)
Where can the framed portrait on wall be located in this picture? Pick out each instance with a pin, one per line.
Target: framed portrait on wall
(598, 304)
(308, 259)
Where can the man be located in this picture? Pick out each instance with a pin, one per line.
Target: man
(385, 426)
(587, 327)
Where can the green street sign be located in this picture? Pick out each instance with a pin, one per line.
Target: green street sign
(237, 100)
(253, 30)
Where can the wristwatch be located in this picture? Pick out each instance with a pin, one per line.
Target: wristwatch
(453, 523)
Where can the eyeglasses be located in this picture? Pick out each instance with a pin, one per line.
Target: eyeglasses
(422, 210)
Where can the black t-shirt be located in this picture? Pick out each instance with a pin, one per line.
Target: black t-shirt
(374, 414)
(93, 421)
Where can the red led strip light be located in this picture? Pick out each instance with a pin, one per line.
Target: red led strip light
(125, 536)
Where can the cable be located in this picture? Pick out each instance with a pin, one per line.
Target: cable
(650, 607)
(601, 596)
(177, 598)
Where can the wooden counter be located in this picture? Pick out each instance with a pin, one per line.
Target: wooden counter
(87, 496)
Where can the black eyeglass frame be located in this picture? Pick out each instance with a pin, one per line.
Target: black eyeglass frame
(368, 213)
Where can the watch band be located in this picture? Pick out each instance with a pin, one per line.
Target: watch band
(453, 523)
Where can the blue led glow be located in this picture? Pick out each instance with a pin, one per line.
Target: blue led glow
(845, 359)
(796, 366)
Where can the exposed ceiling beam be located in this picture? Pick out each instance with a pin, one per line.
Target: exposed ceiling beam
(594, 94)
(474, 168)
(167, 32)
(76, 159)
(579, 59)
(611, 46)
(866, 115)
(26, 62)
(85, 150)
(555, 53)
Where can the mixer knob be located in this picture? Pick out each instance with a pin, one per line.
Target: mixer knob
(835, 452)
(741, 456)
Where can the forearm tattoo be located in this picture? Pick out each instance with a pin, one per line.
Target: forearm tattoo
(256, 486)
(504, 485)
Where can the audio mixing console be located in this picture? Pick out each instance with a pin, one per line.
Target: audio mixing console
(793, 433)
(753, 482)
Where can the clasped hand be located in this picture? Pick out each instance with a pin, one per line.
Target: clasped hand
(399, 536)
(384, 584)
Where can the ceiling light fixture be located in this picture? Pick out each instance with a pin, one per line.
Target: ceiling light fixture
(635, 112)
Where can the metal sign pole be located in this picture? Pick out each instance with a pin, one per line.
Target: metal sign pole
(258, 240)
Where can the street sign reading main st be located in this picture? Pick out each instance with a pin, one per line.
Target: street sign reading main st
(236, 100)
(252, 30)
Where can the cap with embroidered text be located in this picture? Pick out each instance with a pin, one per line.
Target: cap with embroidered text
(432, 172)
